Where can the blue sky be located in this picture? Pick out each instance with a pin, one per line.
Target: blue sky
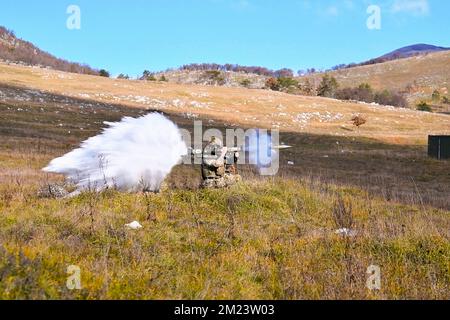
(130, 36)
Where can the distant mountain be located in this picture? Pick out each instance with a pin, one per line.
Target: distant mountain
(405, 52)
(402, 53)
(17, 50)
(411, 51)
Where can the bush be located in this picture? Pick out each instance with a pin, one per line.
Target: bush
(397, 100)
(362, 93)
(273, 84)
(148, 76)
(445, 100)
(359, 121)
(383, 97)
(423, 106)
(245, 83)
(287, 82)
(436, 96)
(163, 78)
(283, 84)
(307, 88)
(284, 73)
(123, 76)
(390, 98)
(104, 73)
(213, 77)
(366, 94)
(328, 87)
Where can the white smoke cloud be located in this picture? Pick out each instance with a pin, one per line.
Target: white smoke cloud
(131, 155)
(261, 153)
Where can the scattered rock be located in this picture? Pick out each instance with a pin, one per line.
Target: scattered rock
(226, 181)
(52, 191)
(346, 232)
(134, 225)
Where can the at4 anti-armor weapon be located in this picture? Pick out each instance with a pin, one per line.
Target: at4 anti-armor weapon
(199, 152)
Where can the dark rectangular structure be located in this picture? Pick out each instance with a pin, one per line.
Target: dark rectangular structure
(439, 147)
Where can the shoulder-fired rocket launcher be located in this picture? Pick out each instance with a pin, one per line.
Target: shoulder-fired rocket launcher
(199, 152)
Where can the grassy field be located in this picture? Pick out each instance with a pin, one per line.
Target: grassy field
(231, 106)
(269, 238)
(259, 240)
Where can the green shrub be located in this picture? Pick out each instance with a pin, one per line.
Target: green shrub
(147, 75)
(287, 82)
(423, 106)
(284, 84)
(436, 96)
(328, 87)
(245, 83)
(104, 73)
(213, 77)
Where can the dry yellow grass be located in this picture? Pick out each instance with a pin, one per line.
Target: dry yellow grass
(262, 239)
(238, 106)
(425, 73)
(280, 244)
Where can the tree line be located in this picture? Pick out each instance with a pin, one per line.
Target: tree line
(262, 71)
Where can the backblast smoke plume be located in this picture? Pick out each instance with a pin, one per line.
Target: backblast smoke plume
(131, 155)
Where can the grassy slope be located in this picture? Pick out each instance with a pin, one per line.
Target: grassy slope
(262, 239)
(237, 106)
(425, 73)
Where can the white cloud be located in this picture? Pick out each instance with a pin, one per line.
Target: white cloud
(415, 7)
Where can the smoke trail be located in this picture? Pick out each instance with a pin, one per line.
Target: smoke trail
(259, 147)
(131, 155)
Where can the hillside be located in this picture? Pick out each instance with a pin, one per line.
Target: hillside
(417, 77)
(415, 72)
(410, 51)
(233, 106)
(15, 50)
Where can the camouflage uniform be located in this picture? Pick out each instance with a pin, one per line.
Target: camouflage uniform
(219, 168)
(213, 164)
